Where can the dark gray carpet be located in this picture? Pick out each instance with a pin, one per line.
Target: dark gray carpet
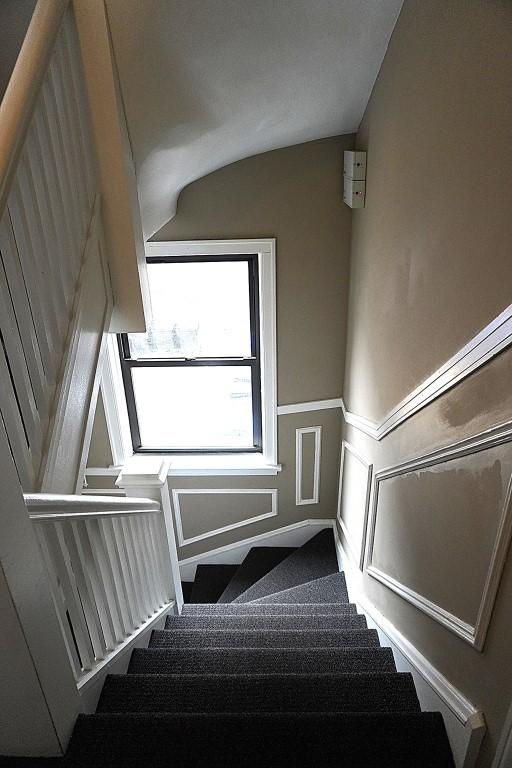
(259, 693)
(258, 562)
(260, 609)
(316, 558)
(332, 589)
(210, 582)
(369, 740)
(186, 588)
(266, 622)
(240, 661)
(286, 638)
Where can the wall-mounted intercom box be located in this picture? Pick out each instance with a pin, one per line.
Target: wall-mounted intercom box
(354, 179)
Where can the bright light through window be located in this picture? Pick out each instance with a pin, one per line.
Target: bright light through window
(193, 380)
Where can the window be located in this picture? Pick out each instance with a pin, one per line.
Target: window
(202, 379)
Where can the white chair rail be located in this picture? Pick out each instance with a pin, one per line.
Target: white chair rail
(109, 570)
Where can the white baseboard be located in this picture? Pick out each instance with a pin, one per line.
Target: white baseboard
(294, 535)
(465, 724)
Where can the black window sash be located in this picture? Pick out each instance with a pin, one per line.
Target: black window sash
(252, 362)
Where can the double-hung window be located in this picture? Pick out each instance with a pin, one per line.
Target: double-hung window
(197, 381)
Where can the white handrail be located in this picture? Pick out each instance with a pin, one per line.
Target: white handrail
(50, 506)
(23, 88)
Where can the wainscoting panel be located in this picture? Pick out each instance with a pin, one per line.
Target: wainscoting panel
(354, 500)
(204, 512)
(308, 442)
(440, 529)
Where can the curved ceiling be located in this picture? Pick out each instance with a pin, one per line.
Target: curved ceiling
(208, 82)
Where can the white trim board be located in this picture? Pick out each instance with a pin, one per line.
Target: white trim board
(294, 535)
(465, 723)
(479, 350)
(473, 634)
(358, 557)
(177, 492)
(299, 433)
(312, 405)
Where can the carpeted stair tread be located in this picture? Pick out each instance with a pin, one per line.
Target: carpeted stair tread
(350, 621)
(316, 558)
(204, 661)
(259, 693)
(260, 609)
(332, 589)
(210, 582)
(257, 563)
(343, 740)
(287, 638)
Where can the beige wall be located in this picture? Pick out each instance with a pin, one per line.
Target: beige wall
(430, 267)
(294, 195)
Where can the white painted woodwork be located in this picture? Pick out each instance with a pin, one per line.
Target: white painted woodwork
(299, 465)
(354, 493)
(55, 296)
(100, 552)
(464, 722)
(475, 632)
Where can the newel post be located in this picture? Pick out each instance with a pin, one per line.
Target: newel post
(146, 477)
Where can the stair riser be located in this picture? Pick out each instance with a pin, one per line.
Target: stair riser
(270, 639)
(263, 623)
(278, 693)
(262, 661)
(393, 740)
(260, 609)
(258, 562)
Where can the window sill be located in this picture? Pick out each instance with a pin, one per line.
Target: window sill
(203, 465)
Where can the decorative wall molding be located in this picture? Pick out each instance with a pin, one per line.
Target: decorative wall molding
(479, 350)
(299, 434)
(473, 634)
(177, 492)
(465, 723)
(293, 535)
(357, 556)
(312, 405)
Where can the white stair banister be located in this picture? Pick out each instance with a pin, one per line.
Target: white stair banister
(147, 476)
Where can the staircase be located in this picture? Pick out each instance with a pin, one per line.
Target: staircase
(279, 671)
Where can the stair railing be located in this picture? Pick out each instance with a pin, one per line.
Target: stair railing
(109, 569)
(50, 243)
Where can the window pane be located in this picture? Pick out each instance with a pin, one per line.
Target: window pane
(199, 407)
(200, 309)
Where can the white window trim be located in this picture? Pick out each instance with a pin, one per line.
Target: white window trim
(203, 464)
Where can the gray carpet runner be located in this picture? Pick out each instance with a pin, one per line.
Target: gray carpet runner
(329, 589)
(260, 693)
(258, 562)
(271, 638)
(210, 582)
(262, 623)
(260, 609)
(315, 559)
(281, 672)
(248, 661)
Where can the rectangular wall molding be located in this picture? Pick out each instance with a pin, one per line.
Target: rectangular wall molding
(475, 633)
(479, 350)
(465, 723)
(178, 492)
(299, 467)
(357, 552)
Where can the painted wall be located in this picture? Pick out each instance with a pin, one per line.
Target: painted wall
(430, 268)
(15, 17)
(294, 195)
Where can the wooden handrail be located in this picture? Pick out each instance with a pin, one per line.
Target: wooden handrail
(45, 507)
(22, 90)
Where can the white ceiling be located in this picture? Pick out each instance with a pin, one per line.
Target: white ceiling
(208, 82)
